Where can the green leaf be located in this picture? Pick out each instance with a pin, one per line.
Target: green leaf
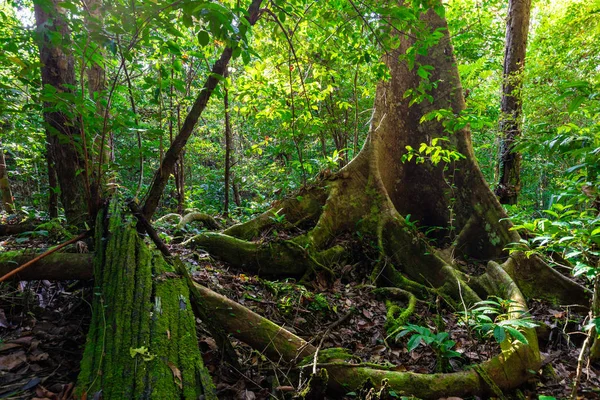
(414, 342)
(516, 334)
(499, 334)
(203, 38)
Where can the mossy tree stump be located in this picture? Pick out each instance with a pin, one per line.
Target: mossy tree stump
(142, 339)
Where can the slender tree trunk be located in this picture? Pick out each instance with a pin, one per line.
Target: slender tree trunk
(517, 28)
(228, 148)
(167, 165)
(102, 142)
(65, 142)
(7, 198)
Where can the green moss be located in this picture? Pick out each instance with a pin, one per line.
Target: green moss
(397, 316)
(126, 316)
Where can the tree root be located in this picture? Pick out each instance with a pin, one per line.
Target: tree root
(507, 370)
(529, 272)
(277, 258)
(57, 266)
(169, 217)
(306, 207)
(397, 316)
(208, 221)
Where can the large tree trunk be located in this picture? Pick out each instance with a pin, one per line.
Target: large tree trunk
(65, 142)
(102, 144)
(517, 29)
(142, 339)
(454, 215)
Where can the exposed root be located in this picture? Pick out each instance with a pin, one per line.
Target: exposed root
(277, 258)
(505, 371)
(306, 207)
(169, 217)
(208, 221)
(398, 316)
(529, 272)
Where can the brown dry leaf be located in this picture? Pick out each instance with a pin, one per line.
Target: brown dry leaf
(12, 361)
(38, 357)
(3, 321)
(176, 374)
(44, 393)
(367, 313)
(379, 349)
(8, 346)
(210, 342)
(25, 340)
(285, 388)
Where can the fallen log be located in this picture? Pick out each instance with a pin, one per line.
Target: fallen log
(55, 267)
(15, 229)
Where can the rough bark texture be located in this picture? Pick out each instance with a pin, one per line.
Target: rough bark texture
(517, 28)
(62, 128)
(8, 201)
(102, 142)
(167, 165)
(142, 340)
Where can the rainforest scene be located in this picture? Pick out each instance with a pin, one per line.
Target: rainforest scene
(299, 199)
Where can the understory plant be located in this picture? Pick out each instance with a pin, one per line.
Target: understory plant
(498, 318)
(440, 343)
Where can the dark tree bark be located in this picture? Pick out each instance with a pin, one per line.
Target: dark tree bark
(167, 165)
(517, 28)
(65, 142)
(8, 201)
(52, 184)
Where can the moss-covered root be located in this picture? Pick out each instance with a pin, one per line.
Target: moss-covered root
(208, 221)
(505, 371)
(397, 316)
(169, 217)
(281, 258)
(528, 272)
(254, 330)
(299, 210)
(142, 339)
(316, 386)
(57, 266)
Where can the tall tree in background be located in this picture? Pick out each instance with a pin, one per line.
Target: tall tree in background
(7, 198)
(96, 74)
(228, 148)
(517, 28)
(66, 147)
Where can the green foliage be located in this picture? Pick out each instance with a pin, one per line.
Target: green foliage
(440, 343)
(291, 295)
(433, 153)
(495, 317)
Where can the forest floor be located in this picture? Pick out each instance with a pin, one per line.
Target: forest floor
(43, 327)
